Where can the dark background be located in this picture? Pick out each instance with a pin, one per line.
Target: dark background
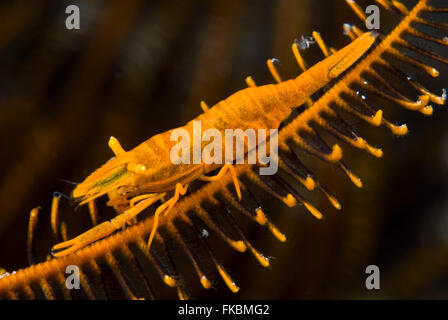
(137, 68)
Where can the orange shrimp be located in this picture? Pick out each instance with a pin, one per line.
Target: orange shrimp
(136, 179)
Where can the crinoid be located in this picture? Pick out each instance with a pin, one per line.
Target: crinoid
(182, 240)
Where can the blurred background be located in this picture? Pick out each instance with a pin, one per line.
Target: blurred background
(136, 68)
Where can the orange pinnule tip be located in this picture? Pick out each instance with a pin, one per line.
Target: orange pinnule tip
(334, 202)
(336, 154)
(262, 259)
(182, 295)
(276, 233)
(377, 152)
(290, 200)
(227, 279)
(356, 181)
(433, 72)
(399, 130)
(280, 236)
(239, 245)
(169, 281)
(309, 183)
(205, 282)
(376, 119)
(313, 210)
(35, 212)
(260, 217)
(440, 100)
(233, 287)
(427, 110)
(360, 143)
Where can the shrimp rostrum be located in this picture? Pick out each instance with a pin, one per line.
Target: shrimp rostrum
(136, 179)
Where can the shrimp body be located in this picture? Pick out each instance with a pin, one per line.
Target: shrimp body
(136, 179)
(251, 108)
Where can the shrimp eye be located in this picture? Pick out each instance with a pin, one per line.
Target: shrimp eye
(136, 167)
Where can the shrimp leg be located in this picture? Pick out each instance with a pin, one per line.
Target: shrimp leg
(221, 173)
(104, 229)
(180, 190)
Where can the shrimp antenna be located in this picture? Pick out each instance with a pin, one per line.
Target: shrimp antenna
(68, 181)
